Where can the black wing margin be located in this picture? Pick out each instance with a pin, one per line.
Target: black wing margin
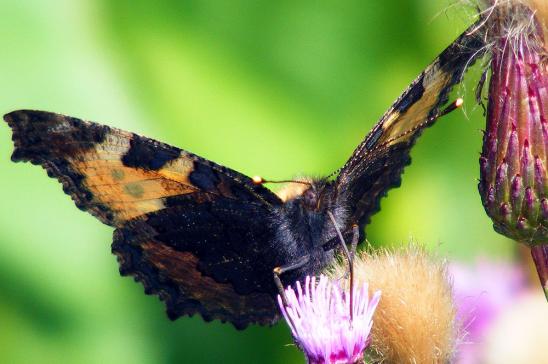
(378, 162)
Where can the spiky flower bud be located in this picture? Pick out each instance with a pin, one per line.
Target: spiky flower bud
(513, 180)
(513, 176)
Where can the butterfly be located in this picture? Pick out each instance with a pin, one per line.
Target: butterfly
(207, 239)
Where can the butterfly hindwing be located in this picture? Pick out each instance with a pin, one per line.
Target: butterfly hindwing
(211, 257)
(187, 228)
(378, 162)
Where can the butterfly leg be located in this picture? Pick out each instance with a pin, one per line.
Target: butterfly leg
(355, 238)
(278, 271)
(479, 87)
(349, 256)
(353, 246)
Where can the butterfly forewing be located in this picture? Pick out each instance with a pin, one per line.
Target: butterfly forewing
(192, 231)
(378, 162)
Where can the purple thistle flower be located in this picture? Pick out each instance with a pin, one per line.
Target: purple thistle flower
(320, 321)
(482, 293)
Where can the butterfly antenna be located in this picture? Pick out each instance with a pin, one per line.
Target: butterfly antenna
(258, 180)
(350, 258)
(451, 107)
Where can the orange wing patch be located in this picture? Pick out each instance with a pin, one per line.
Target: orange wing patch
(130, 192)
(399, 125)
(113, 174)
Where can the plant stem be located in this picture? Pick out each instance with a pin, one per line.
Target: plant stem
(540, 257)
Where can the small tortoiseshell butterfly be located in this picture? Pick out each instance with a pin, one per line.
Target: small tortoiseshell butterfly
(206, 238)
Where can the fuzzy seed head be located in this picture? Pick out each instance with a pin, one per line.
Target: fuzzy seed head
(414, 322)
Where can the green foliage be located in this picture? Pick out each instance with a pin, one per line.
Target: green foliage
(274, 88)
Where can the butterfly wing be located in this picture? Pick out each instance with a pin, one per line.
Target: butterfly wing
(209, 257)
(187, 228)
(378, 162)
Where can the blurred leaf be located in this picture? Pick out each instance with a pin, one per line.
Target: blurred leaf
(269, 88)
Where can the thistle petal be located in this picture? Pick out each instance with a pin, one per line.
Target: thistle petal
(321, 324)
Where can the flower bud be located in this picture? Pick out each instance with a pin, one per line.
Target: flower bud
(513, 164)
(513, 180)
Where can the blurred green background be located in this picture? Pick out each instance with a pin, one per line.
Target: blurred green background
(271, 88)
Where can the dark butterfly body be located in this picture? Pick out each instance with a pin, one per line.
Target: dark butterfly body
(206, 238)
